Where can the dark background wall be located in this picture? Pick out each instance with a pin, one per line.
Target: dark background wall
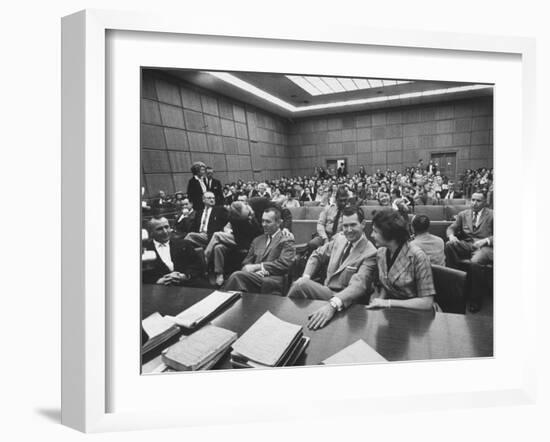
(181, 123)
(397, 138)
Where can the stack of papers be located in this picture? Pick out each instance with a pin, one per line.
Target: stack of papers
(200, 350)
(269, 342)
(203, 310)
(357, 353)
(159, 329)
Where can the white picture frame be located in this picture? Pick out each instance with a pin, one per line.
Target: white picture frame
(87, 213)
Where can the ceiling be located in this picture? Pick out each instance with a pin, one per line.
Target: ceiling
(281, 94)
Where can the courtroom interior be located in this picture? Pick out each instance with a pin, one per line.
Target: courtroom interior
(351, 219)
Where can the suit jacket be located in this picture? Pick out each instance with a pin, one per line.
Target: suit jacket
(186, 224)
(463, 227)
(194, 193)
(259, 204)
(183, 256)
(350, 278)
(216, 222)
(276, 258)
(216, 188)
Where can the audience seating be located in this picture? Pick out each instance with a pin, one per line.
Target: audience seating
(452, 211)
(450, 288)
(453, 202)
(435, 213)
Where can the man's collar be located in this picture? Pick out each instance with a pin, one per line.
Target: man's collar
(160, 244)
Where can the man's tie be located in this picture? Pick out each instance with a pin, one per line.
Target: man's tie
(268, 241)
(346, 253)
(336, 221)
(476, 220)
(203, 221)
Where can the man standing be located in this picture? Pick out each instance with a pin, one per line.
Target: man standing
(211, 219)
(330, 219)
(350, 262)
(433, 246)
(215, 186)
(268, 260)
(471, 237)
(165, 261)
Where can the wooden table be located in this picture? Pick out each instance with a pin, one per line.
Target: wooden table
(397, 334)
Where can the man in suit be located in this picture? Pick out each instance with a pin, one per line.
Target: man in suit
(213, 185)
(471, 234)
(196, 187)
(330, 219)
(166, 261)
(209, 220)
(268, 260)
(471, 237)
(350, 262)
(433, 246)
(185, 219)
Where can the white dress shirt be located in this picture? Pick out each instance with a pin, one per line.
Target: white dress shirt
(163, 250)
(203, 228)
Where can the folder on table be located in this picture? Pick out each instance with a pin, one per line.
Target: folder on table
(205, 309)
(200, 350)
(357, 353)
(269, 342)
(159, 329)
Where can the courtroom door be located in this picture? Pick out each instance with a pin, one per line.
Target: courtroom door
(446, 164)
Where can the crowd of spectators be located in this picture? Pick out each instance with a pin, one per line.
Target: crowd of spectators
(251, 222)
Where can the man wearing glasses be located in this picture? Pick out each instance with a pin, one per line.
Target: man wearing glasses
(209, 220)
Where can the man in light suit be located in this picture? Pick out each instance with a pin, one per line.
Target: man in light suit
(471, 234)
(350, 260)
(268, 260)
(471, 237)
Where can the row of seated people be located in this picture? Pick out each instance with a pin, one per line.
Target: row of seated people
(397, 274)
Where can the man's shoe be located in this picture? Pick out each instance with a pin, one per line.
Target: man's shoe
(219, 280)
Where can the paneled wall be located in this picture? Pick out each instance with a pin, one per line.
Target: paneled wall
(181, 124)
(397, 138)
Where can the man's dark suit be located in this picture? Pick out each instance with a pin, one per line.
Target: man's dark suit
(216, 222)
(184, 225)
(194, 193)
(215, 186)
(276, 258)
(184, 258)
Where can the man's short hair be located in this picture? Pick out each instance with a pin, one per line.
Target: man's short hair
(209, 168)
(392, 226)
(276, 211)
(420, 223)
(354, 210)
(342, 192)
(152, 219)
(208, 193)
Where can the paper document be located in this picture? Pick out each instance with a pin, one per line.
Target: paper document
(156, 324)
(357, 353)
(192, 316)
(267, 340)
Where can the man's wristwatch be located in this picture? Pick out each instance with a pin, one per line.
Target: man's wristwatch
(336, 303)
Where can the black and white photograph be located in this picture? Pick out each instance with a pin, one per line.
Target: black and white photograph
(304, 220)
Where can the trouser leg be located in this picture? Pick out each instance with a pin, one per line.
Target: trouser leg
(309, 289)
(244, 282)
(197, 239)
(220, 252)
(456, 251)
